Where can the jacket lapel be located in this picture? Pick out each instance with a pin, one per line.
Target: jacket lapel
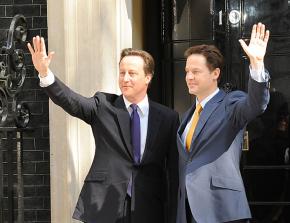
(124, 123)
(209, 108)
(154, 121)
(181, 147)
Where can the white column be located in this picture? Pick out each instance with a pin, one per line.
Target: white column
(87, 36)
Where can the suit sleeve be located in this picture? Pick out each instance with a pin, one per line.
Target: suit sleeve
(172, 172)
(73, 103)
(245, 107)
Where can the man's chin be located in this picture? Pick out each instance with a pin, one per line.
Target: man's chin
(125, 92)
(192, 92)
(126, 95)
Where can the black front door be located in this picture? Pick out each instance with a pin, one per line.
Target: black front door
(265, 162)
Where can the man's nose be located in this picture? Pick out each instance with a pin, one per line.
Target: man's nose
(126, 77)
(190, 75)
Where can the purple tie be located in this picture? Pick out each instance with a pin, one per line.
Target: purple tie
(135, 140)
(135, 133)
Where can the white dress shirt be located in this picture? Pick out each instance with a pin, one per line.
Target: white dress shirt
(143, 112)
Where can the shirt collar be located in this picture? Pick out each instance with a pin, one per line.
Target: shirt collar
(143, 106)
(204, 101)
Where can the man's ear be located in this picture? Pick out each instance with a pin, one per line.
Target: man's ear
(216, 73)
(148, 78)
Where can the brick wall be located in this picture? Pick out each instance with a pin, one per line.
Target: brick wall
(35, 170)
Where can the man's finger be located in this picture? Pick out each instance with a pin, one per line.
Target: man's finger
(262, 35)
(34, 44)
(244, 46)
(30, 48)
(253, 34)
(50, 55)
(38, 44)
(258, 32)
(42, 45)
(267, 35)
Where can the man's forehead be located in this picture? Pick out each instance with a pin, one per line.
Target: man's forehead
(132, 58)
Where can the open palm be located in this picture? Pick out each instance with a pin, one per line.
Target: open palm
(256, 49)
(40, 59)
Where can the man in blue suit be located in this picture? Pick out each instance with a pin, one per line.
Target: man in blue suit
(211, 132)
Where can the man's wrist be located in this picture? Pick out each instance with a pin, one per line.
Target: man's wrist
(44, 73)
(257, 65)
(47, 80)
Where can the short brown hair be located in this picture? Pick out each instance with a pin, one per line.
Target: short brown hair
(147, 58)
(213, 56)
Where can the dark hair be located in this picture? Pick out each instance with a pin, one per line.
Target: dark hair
(213, 56)
(147, 58)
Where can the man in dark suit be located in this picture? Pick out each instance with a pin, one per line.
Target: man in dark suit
(211, 132)
(134, 174)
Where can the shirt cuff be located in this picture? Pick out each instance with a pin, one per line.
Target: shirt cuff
(47, 80)
(259, 75)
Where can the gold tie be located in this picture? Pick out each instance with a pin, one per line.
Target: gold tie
(196, 115)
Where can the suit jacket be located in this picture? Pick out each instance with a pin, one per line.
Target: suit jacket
(209, 174)
(155, 180)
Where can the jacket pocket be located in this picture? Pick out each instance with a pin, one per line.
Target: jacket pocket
(226, 183)
(96, 177)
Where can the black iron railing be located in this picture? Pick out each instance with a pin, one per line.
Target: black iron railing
(13, 120)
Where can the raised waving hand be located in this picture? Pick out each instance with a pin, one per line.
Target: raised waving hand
(256, 49)
(40, 58)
